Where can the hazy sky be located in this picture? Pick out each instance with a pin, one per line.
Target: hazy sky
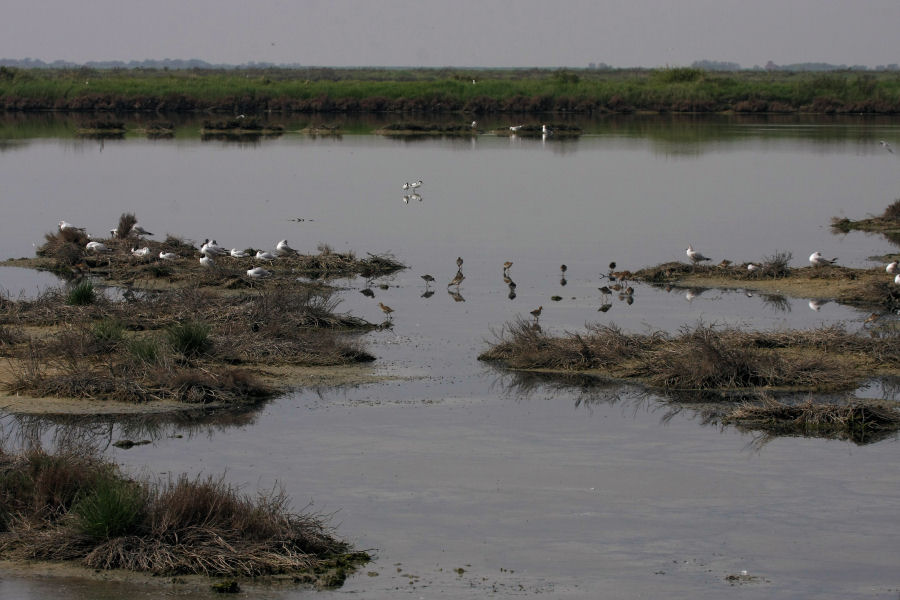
(503, 33)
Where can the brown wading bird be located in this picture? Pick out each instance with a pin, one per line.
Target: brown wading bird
(459, 262)
(507, 265)
(387, 310)
(428, 279)
(458, 279)
(536, 313)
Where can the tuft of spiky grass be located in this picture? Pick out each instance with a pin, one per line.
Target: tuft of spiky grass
(108, 333)
(81, 294)
(144, 350)
(113, 507)
(892, 212)
(126, 222)
(190, 338)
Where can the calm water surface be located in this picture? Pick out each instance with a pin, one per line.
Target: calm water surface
(531, 488)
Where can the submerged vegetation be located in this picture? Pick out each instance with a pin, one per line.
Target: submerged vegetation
(448, 90)
(76, 506)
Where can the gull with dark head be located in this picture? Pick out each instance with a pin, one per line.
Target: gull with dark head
(167, 255)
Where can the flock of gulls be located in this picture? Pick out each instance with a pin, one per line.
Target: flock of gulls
(209, 250)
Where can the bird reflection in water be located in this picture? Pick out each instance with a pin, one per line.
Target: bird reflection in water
(427, 294)
(457, 297)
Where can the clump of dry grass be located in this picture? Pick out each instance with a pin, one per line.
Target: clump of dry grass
(704, 357)
(77, 506)
(857, 420)
(126, 222)
(892, 212)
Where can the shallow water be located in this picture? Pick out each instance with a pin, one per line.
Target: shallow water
(529, 487)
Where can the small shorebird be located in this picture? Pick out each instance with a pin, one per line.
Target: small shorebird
(536, 313)
(167, 256)
(261, 255)
(258, 273)
(282, 248)
(459, 262)
(695, 256)
(235, 253)
(207, 262)
(891, 268)
(817, 260)
(387, 310)
(605, 290)
(563, 268)
(507, 265)
(99, 247)
(141, 252)
(428, 279)
(457, 279)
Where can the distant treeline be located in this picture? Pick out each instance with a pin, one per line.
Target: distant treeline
(684, 89)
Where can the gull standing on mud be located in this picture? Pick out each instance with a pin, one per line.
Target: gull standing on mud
(695, 256)
(817, 260)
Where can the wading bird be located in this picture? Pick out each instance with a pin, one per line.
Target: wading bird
(387, 310)
(428, 279)
(817, 260)
(457, 279)
(459, 262)
(536, 313)
(507, 265)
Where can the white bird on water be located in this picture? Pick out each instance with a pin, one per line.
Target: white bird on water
(95, 247)
(167, 256)
(282, 248)
(817, 260)
(406, 186)
(416, 184)
(891, 268)
(261, 255)
(515, 128)
(886, 146)
(141, 252)
(235, 253)
(546, 130)
(694, 255)
(258, 273)
(207, 262)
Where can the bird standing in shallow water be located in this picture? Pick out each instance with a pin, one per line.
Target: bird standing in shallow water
(458, 279)
(507, 265)
(428, 279)
(387, 310)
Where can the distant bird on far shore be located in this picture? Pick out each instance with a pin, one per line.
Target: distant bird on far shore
(817, 260)
(695, 256)
(751, 267)
(515, 128)
(886, 146)
(387, 310)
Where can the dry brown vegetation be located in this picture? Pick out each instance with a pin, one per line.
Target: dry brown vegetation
(75, 506)
(859, 421)
(704, 357)
(184, 344)
(867, 288)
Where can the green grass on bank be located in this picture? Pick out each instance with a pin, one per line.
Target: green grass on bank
(442, 90)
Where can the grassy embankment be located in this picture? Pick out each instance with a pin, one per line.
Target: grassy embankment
(76, 506)
(378, 90)
(182, 333)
